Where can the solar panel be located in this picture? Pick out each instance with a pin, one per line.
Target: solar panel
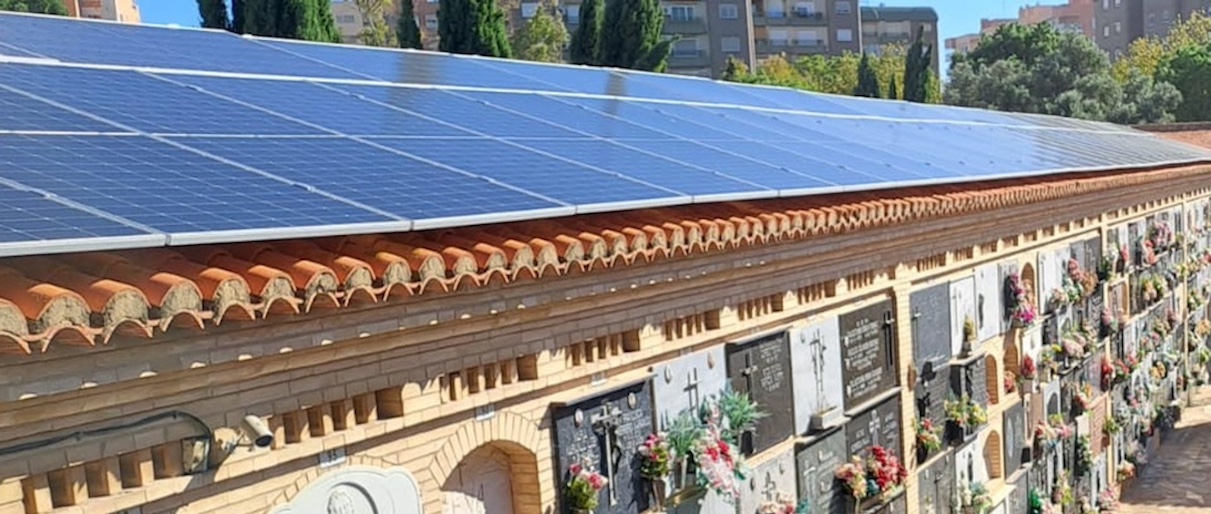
(126, 44)
(372, 176)
(551, 177)
(332, 146)
(166, 188)
(462, 112)
(27, 216)
(144, 103)
(332, 109)
(20, 112)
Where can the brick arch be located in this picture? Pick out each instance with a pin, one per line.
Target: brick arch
(992, 379)
(993, 460)
(511, 433)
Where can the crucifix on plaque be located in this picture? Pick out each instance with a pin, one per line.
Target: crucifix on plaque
(818, 348)
(875, 427)
(691, 387)
(749, 370)
(605, 423)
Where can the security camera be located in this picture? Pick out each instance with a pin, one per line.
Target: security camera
(256, 430)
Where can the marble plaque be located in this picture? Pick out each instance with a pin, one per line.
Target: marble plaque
(989, 296)
(1014, 437)
(603, 433)
(816, 464)
(931, 326)
(762, 368)
(868, 353)
(933, 387)
(936, 485)
(879, 426)
(683, 383)
(970, 379)
(819, 386)
(962, 308)
(767, 480)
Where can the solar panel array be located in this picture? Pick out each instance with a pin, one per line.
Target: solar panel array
(115, 135)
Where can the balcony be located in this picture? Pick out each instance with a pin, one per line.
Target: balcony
(682, 25)
(688, 58)
(808, 18)
(791, 46)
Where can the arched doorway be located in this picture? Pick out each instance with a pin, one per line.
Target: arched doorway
(482, 483)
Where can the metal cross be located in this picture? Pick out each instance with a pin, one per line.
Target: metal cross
(605, 423)
(691, 386)
(874, 427)
(818, 347)
(749, 370)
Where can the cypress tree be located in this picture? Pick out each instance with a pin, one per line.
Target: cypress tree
(237, 17)
(892, 93)
(214, 14)
(586, 41)
(868, 80)
(407, 32)
(630, 35)
(473, 27)
(916, 70)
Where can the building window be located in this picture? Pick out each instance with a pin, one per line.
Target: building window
(807, 38)
(1118, 27)
(1105, 31)
(572, 14)
(778, 38)
(844, 7)
(845, 35)
(927, 28)
(729, 44)
(431, 21)
(805, 9)
(346, 19)
(774, 9)
(685, 48)
(679, 12)
(1105, 5)
(728, 11)
(528, 9)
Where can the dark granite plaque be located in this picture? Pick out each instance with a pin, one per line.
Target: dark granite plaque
(1014, 436)
(879, 426)
(936, 484)
(1093, 309)
(762, 368)
(1018, 501)
(1093, 370)
(868, 352)
(1077, 250)
(932, 389)
(603, 432)
(1007, 298)
(1093, 254)
(816, 464)
(1051, 330)
(931, 325)
(969, 379)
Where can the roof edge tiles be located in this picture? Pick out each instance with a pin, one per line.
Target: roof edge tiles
(85, 299)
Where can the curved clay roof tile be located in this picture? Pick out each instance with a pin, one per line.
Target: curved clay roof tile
(14, 327)
(47, 307)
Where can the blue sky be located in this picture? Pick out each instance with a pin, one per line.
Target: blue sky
(955, 17)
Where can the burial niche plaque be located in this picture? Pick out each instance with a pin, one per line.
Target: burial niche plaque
(868, 352)
(879, 426)
(818, 384)
(1014, 437)
(817, 462)
(931, 325)
(762, 368)
(603, 433)
(935, 484)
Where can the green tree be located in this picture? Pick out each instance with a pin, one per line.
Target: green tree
(892, 92)
(34, 6)
(1147, 55)
(214, 14)
(376, 32)
(586, 41)
(543, 38)
(1061, 74)
(1189, 70)
(630, 35)
(407, 32)
(473, 27)
(868, 80)
(917, 69)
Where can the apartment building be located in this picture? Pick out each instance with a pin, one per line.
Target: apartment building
(883, 26)
(116, 10)
(1119, 22)
(349, 20)
(1074, 16)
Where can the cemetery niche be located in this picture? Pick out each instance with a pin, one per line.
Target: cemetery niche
(935, 485)
(817, 463)
(819, 389)
(761, 369)
(966, 405)
(601, 435)
(868, 353)
(874, 444)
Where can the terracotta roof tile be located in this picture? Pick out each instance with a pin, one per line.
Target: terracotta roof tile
(87, 298)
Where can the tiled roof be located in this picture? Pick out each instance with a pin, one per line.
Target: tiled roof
(87, 298)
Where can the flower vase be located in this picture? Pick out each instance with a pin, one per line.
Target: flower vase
(659, 493)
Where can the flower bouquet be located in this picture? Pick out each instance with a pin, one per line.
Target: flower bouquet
(1126, 471)
(1028, 368)
(1021, 306)
(783, 504)
(880, 474)
(976, 498)
(654, 457)
(1107, 501)
(929, 437)
(718, 468)
(583, 487)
